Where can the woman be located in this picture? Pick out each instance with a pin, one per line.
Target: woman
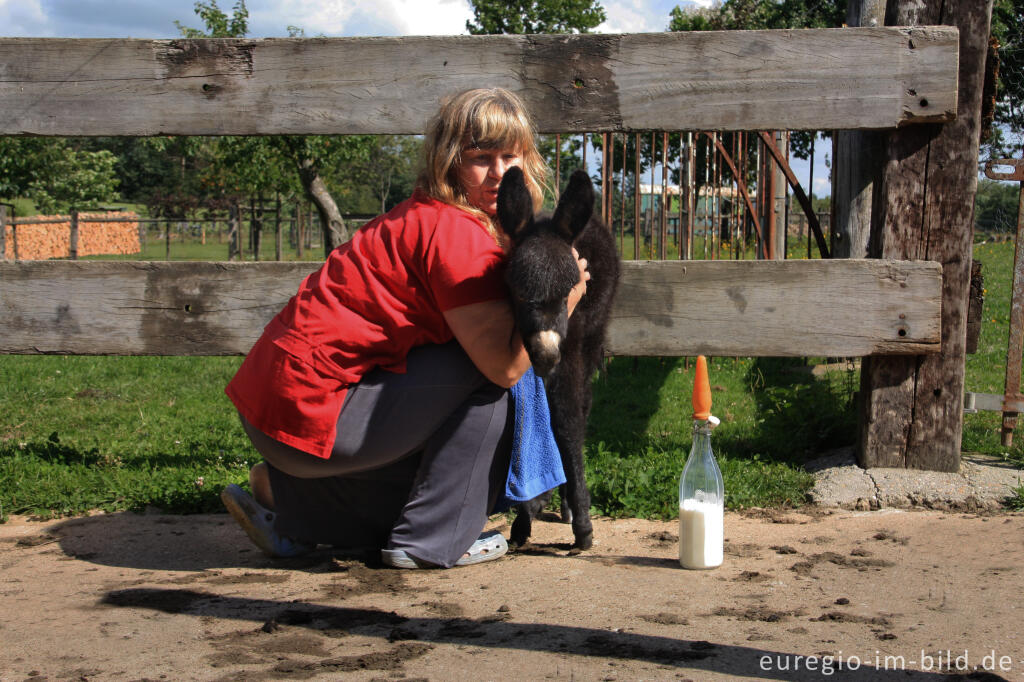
(378, 396)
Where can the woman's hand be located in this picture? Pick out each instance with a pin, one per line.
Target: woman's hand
(580, 288)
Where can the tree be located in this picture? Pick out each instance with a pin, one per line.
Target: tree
(534, 16)
(78, 179)
(218, 24)
(389, 171)
(310, 156)
(55, 174)
(733, 15)
(1004, 136)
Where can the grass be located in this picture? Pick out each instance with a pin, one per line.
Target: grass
(81, 433)
(124, 433)
(986, 369)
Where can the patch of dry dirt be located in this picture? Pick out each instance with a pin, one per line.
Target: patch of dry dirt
(887, 595)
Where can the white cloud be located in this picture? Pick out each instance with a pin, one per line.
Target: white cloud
(23, 18)
(632, 16)
(642, 16)
(415, 17)
(272, 17)
(361, 18)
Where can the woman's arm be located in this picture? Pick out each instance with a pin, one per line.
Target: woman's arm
(486, 331)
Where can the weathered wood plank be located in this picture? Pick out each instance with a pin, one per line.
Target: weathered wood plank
(731, 80)
(913, 408)
(759, 308)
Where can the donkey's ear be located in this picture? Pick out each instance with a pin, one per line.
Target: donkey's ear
(575, 207)
(515, 205)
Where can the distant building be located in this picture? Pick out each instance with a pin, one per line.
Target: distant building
(710, 200)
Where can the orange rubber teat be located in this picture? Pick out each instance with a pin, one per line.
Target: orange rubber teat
(701, 391)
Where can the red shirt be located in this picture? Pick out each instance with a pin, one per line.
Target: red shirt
(375, 298)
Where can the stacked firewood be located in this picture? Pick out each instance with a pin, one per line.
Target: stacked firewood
(42, 241)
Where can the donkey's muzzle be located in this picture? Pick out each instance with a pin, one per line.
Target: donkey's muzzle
(543, 348)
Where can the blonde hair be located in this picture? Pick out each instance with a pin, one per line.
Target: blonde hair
(486, 118)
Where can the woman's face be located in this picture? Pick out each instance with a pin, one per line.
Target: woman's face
(480, 173)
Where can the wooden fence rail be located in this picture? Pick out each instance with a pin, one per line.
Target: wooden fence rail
(814, 79)
(741, 308)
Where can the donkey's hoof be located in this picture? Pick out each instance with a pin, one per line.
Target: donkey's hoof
(517, 540)
(584, 541)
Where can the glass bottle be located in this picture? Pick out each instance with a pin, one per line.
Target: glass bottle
(701, 503)
(701, 489)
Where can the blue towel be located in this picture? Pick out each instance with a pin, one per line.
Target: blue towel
(536, 466)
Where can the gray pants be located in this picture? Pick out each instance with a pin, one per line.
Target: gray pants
(418, 462)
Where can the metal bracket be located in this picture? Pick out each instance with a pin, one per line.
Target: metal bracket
(1017, 174)
(992, 402)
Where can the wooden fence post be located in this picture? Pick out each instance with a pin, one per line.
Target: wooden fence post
(780, 190)
(859, 157)
(73, 238)
(167, 239)
(277, 228)
(3, 232)
(233, 232)
(913, 407)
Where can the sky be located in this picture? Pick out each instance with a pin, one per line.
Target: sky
(271, 18)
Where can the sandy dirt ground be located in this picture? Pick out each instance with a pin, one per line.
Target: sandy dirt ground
(882, 595)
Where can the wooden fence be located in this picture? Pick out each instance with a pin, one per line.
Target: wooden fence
(918, 82)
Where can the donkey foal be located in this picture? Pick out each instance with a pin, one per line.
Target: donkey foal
(564, 351)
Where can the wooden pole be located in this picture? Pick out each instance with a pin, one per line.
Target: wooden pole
(912, 414)
(859, 157)
(779, 196)
(233, 229)
(769, 205)
(277, 227)
(73, 240)
(558, 166)
(3, 232)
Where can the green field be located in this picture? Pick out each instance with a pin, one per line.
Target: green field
(112, 433)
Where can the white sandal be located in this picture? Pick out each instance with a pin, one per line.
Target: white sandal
(488, 547)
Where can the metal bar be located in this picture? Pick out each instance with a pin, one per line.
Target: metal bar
(810, 188)
(636, 203)
(743, 188)
(604, 176)
(812, 218)
(1015, 345)
(558, 166)
(1016, 340)
(691, 203)
(622, 202)
(742, 162)
(992, 402)
(682, 186)
(73, 237)
(650, 205)
(664, 195)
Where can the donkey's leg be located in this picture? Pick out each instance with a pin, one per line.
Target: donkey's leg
(526, 512)
(565, 400)
(565, 509)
